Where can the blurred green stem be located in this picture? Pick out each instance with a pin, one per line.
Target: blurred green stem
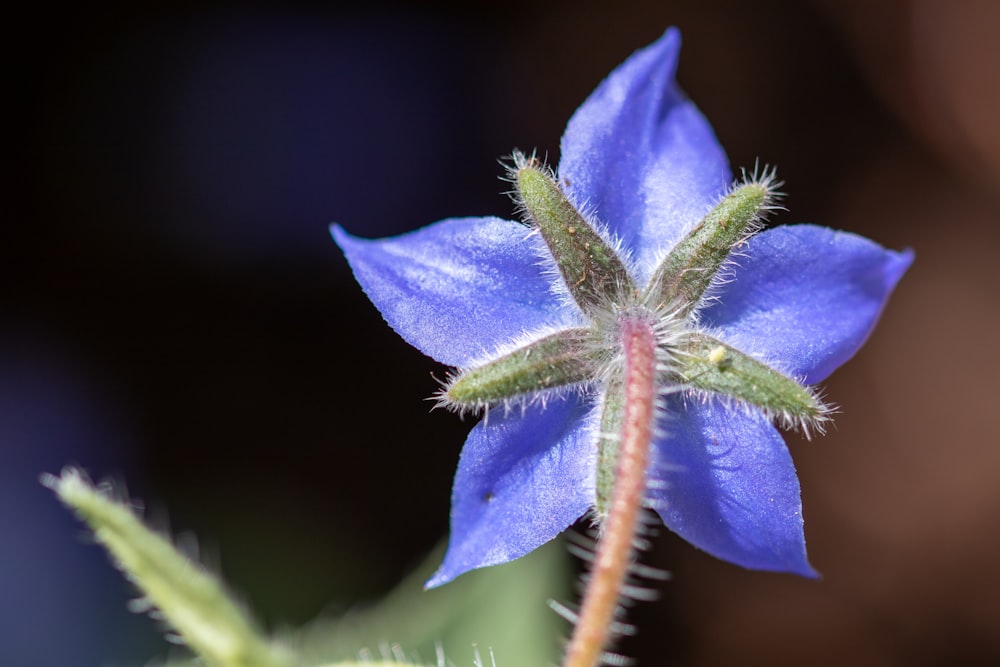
(191, 600)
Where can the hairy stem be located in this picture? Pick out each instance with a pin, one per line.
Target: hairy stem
(593, 629)
(190, 599)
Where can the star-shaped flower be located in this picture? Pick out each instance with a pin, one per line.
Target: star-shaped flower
(532, 314)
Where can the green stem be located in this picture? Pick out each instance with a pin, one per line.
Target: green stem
(614, 549)
(191, 599)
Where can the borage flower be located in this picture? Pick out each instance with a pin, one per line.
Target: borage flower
(641, 240)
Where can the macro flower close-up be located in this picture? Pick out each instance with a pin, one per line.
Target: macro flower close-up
(641, 228)
(386, 334)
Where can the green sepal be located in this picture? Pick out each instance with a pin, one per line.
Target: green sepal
(612, 417)
(707, 364)
(590, 267)
(563, 358)
(687, 272)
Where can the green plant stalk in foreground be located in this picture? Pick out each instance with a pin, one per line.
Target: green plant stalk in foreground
(191, 600)
(501, 610)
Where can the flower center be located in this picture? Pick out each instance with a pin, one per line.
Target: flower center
(592, 356)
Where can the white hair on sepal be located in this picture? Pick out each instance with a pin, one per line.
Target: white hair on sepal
(817, 425)
(767, 177)
(518, 160)
(499, 351)
(588, 213)
(546, 264)
(669, 329)
(591, 216)
(523, 402)
(530, 398)
(805, 425)
(523, 339)
(557, 283)
(739, 342)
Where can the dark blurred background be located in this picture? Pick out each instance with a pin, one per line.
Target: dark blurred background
(174, 315)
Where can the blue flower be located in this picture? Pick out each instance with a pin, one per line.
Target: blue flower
(740, 332)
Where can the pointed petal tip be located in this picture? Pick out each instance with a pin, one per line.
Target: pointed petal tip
(797, 564)
(670, 39)
(439, 578)
(457, 563)
(778, 563)
(791, 563)
(809, 572)
(642, 156)
(900, 262)
(729, 487)
(344, 239)
(806, 297)
(458, 288)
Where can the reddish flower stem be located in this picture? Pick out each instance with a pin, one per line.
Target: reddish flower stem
(614, 549)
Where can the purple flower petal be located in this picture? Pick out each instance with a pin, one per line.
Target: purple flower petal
(724, 481)
(642, 155)
(805, 298)
(459, 288)
(521, 480)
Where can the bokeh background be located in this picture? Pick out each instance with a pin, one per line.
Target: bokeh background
(174, 316)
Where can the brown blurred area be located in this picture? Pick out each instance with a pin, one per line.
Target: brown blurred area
(273, 413)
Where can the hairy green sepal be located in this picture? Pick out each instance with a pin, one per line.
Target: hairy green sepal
(687, 272)
(564, 358)
(612, 417)
(593, 273)
(707, 364)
